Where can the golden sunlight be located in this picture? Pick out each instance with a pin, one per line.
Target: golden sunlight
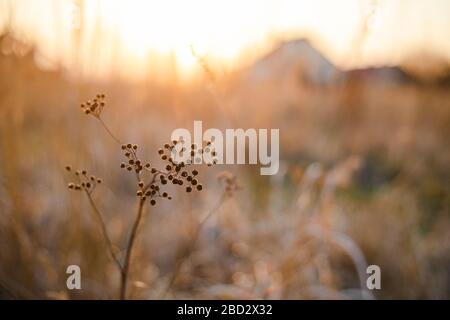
(138, 38)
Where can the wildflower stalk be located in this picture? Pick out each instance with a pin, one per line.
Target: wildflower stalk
(192, 244)
(173, 173)
(108, 130)
(104, 231)
(126, 265)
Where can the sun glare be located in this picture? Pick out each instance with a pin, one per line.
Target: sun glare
(171, 28)
(142, 38)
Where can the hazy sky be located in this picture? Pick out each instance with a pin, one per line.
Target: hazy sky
(133, 35)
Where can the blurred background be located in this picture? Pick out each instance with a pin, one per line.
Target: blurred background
(359, 90)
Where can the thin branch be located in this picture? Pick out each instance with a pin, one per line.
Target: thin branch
(192, 245)
(104, 231)
(125, 269)
(108, 130)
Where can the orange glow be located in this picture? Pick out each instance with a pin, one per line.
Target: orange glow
(142, 38)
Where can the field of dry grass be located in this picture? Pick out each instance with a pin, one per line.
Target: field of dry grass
(363, 180)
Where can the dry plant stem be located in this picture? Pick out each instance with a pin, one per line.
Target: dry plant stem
(126, 265)
(124, 270)
(192, 244)
(104, 231)
(107, 130)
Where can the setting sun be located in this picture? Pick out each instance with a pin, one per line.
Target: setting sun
(147, 37)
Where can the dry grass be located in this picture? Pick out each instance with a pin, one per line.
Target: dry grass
(363, 180)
